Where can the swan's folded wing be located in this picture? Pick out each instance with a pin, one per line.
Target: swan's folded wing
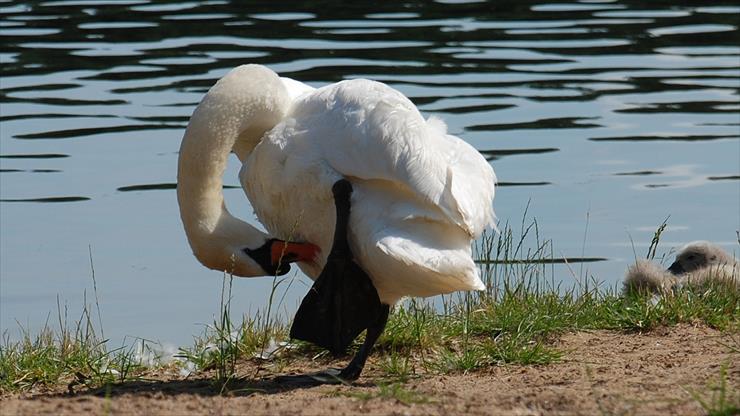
(370, 131)
(424, 258)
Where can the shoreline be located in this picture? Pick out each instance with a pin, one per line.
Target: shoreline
(661, 371)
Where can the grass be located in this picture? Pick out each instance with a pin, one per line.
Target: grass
(516, 328)
(224, 343)
(512, 322)
(71, 355)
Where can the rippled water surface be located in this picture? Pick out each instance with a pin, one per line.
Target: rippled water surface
(605, 117)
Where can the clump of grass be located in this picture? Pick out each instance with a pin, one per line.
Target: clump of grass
(226, 348)
(458, 360)
(398, 365)
(75, 356)
(414, 324)
(223, 342)
(716, 304)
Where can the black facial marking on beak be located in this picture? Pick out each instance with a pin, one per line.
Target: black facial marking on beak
(676, 268)
(263, 257)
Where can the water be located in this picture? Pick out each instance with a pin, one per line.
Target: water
(604, 117)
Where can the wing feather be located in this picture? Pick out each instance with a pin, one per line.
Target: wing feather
(368, 130)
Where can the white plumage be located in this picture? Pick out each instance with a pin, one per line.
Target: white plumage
(420, 195)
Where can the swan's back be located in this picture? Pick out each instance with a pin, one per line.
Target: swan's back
(370, 131)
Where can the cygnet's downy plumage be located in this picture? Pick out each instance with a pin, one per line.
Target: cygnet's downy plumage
(702, 262)
(646, 276)
(697, 263)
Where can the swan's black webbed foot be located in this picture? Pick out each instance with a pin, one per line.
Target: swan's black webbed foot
(343, 301)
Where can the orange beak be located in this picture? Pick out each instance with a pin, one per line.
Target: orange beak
(289, 252)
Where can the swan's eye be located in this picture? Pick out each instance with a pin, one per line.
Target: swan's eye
(691, 257)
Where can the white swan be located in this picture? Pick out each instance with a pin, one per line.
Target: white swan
(419, 196)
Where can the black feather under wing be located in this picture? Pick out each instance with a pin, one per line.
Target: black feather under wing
(340, 305)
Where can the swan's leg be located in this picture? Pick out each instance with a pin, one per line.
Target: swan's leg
(354, 368)
(342, 191)
(342, 302)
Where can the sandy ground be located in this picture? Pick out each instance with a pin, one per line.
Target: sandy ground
(602, 372)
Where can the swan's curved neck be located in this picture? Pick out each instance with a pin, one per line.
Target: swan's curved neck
(233, 116)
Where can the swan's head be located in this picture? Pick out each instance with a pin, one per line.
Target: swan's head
(233, 116)
(270, 258)
(223, 242)
(275, 256)
(697, 255)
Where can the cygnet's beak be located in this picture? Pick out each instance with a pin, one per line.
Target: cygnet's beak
(676, 268)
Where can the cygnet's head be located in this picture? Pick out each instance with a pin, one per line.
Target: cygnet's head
(697, 255)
